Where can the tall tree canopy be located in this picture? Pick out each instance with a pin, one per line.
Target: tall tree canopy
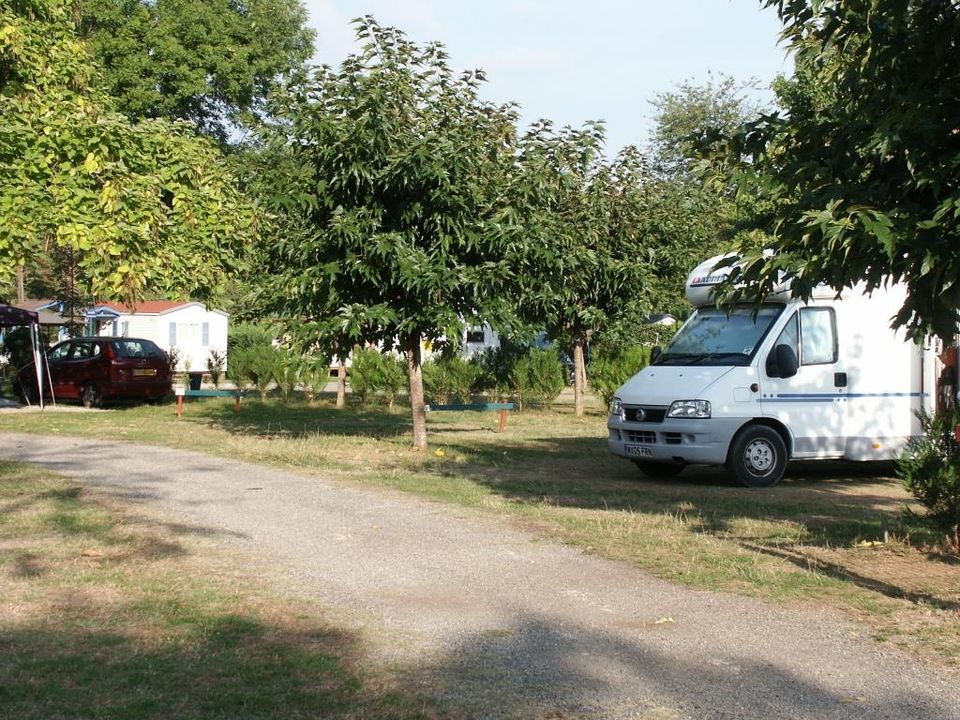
(122, 209)
(861, 169)
(212, 62)
(589, 264)
(393, 221)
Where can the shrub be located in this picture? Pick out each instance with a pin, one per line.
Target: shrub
(215, 363)
(611, 369)
(246, 335)
(930, 469)
(239, 370)
(373, 372)
(315, 375)
(537, 378)
(263, 364)
(495, 368)
(450, 379)
(287, 368)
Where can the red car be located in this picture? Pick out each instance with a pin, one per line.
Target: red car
(95, 370)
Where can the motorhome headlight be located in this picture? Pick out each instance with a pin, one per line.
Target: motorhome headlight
(616, 408)
(689, 409)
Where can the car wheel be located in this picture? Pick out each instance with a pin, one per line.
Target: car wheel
(758, 456)
(89, 396)
(663, 470)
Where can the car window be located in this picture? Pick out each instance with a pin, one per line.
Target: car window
(58, 353)
(83, 350)
(137, 349)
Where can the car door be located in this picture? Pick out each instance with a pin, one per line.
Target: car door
(58, 363)
(812, 401)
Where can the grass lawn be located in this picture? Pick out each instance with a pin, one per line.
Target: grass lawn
(106, 614)
(832, 535)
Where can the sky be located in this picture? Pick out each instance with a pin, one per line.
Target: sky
(577, 60)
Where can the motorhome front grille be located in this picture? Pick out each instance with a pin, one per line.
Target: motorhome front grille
(643, 413)
(640, 436)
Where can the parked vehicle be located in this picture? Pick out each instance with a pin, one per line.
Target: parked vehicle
(756, 387)
(94, 370)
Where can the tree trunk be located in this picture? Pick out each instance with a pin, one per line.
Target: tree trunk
(579, 377)
(415, 376)
(21, 297)
(341, 384)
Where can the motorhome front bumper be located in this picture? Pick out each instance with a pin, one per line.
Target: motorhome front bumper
(702, 442)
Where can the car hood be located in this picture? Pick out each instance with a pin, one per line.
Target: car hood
(662, 384)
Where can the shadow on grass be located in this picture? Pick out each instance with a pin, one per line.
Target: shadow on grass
(299, 420)
(220, 666)
(234, 666)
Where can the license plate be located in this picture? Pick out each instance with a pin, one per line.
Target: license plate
(144, 372)
(638, 450)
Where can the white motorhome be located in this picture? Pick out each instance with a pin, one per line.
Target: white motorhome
(755, 387)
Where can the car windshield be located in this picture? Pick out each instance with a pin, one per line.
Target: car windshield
(719, 337)
(136, 349)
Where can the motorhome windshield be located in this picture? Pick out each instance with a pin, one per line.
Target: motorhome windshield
(716, 337)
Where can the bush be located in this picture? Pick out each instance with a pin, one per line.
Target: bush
(239, 370)
(315, 375)
(215, 363)
(495, 368)
(245, 335)
(450, 379)
(537, 378)
(373, 372)
(263, 367)
(287, 368)
(611, 369)
(930, 469)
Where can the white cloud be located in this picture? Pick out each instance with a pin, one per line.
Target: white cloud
(335, 36)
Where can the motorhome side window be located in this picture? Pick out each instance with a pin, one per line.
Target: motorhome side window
(789, 336)
(818, 336)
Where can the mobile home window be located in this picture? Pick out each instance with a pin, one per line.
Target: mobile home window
(173, 334)
(206, 334)
(475, 335)
(818, 336)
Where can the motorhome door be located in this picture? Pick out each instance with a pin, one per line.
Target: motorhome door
(804, 385)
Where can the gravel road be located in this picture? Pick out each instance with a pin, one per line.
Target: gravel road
(488, 617)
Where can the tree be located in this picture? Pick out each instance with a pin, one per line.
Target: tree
(589, 262)
(859, 171)
(122, 209)
(688, 114)
(211, 62)
(389, 203)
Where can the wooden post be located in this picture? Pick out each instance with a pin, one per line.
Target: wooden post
(956, 433)
(179, 406)
(503, 420)
(236, 405)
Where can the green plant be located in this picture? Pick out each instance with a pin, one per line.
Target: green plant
(450, 378)
(538, 378)
(238, 369)
(930, 469)
(365, 373)
(287, 368)
(215, 363)
(315, 374)
(610, 368)
(263, 367)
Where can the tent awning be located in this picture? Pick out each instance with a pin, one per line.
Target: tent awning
(10, 315)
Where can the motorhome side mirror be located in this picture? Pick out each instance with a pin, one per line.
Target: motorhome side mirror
(655, 353)
(787, 362)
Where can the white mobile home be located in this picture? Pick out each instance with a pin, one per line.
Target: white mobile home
(189, 327)
(754, 388)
